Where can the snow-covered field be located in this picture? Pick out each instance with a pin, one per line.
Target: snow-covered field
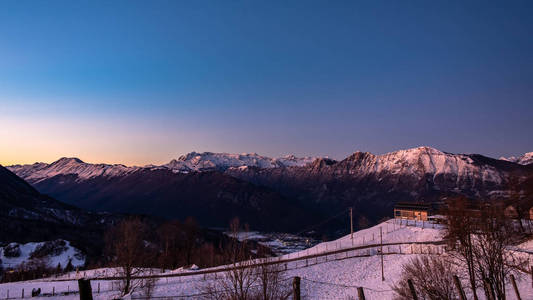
(333, 276)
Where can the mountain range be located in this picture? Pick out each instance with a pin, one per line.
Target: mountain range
(191, 162)
(276, 194)
(433, 161)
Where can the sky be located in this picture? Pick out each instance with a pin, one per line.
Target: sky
(140, 82)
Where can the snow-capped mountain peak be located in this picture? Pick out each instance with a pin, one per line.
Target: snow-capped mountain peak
(426, 160)
(68, 165)
(68, 160)
(195, 161)
(419, 163)
(525, 159)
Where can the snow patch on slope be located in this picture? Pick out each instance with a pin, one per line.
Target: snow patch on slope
(66, 253)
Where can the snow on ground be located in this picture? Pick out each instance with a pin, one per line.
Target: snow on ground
(335, 276)
(393, 231)
(67, 253)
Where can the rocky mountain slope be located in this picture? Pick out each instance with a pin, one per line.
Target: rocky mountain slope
(213, 198)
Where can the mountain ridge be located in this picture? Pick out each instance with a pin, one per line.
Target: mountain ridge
(525, 159)
(216, 187)
(433, 161)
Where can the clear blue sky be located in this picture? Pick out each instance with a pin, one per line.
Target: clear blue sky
(145, 81)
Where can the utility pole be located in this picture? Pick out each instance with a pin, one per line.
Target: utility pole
(381, 242)
(351, 222)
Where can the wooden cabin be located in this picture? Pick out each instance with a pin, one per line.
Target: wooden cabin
(412, 211)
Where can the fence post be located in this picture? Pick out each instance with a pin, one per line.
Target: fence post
(381, 250)
(462, 295)
(515, 288)
(296, 288)
(360, 293)
(412, 288)
(53, 291)
(22, 293)
(85, 289)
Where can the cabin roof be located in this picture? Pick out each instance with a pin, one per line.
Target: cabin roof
(412, 206)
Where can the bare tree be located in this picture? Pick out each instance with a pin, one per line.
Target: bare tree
(191, 236)
(461, 220)
(247, 279)
(129, 251)
(238, 281)
(480, 239)
(493, 262)
(171, 243)
(147, 287)
(271, 282)
(431, 276)
(518, 201)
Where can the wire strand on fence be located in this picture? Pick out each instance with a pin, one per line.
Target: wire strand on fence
(199, 294)
(345, 286)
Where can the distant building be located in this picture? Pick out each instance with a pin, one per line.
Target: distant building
(412, 211)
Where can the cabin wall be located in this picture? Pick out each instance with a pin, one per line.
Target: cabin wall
(420, 215)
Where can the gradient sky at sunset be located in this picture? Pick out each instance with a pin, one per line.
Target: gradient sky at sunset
(140, 82)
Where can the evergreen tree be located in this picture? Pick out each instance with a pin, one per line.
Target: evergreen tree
(69, 267)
